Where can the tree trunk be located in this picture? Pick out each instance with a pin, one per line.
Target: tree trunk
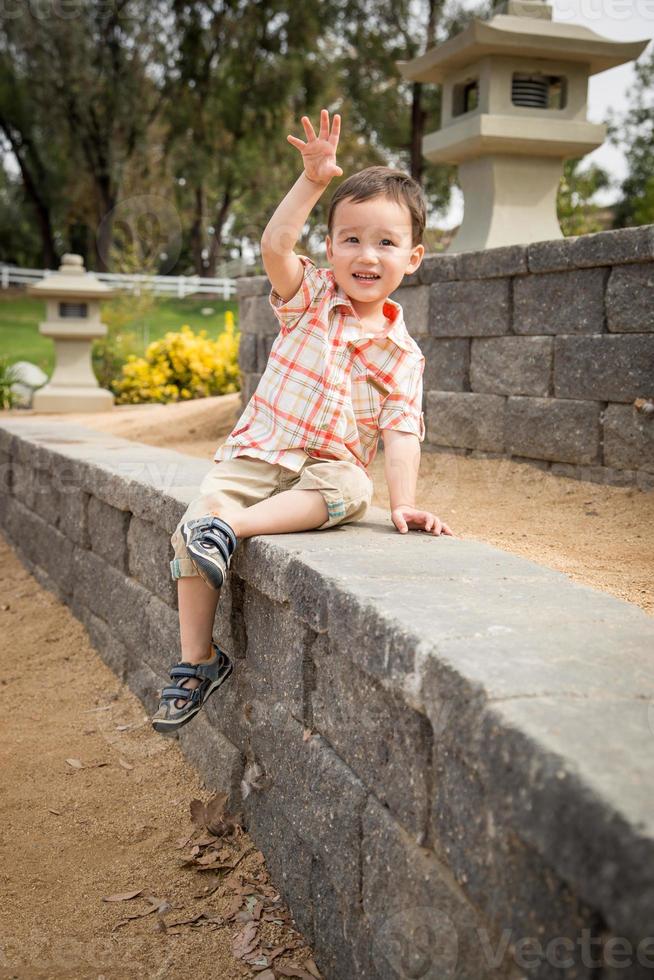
(197, 234)
(217, 239)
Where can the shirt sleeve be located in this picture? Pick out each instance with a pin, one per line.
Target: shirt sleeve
(290, 313)
(402, 408)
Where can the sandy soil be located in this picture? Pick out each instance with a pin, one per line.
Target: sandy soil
(597, 535)
(97, 804)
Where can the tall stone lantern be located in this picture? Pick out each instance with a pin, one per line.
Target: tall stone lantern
(514, 91)
(72, 298)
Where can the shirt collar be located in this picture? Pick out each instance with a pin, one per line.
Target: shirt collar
(398, 332)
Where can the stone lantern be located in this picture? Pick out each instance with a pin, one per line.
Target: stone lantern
(72, 298)
(513, 109)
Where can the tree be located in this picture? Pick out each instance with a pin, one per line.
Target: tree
(636, 134)
(578, 215)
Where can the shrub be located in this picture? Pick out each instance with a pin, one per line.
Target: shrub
(8, 375)
(181, 366)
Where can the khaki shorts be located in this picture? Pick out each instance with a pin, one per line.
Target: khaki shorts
(240, 482)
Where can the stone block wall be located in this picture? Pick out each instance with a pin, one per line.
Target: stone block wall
(542, 353)
(449, 777)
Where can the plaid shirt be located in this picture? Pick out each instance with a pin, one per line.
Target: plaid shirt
(328, 389)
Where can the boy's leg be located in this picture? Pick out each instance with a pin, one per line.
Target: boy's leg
(283, 513)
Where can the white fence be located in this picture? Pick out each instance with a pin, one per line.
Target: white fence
(179, 286)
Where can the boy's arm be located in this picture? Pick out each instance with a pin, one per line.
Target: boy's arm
(282, 265)
(401, 465)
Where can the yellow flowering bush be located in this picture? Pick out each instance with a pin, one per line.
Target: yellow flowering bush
(181, 366)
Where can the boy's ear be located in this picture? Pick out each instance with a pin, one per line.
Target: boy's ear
(328, 246)
(417, 255)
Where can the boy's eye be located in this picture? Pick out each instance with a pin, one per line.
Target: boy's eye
(386, 241)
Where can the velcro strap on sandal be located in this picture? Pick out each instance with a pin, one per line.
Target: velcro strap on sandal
(179, 692)
(227, 530)
(179, 671)
(218, 538)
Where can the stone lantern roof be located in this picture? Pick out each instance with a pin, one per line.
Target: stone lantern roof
(71, 280)
(526, 30)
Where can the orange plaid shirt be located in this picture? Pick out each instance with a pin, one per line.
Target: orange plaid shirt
(328, 389)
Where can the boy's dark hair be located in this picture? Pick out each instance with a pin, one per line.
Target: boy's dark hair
(377, 181)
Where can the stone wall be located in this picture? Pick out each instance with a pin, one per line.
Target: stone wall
(443, 750)
(542, 353)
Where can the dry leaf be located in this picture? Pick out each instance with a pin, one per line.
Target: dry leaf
(122, 896)
(313, 969)
(75, 763)
(293, 970)
(245, 941)
(267, 975)
(57, 812)
(125, 765)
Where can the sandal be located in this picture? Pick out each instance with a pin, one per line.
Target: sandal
(211, 674)
(210, 543)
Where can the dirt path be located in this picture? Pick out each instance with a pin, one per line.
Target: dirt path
(72, 836)
(597, 535)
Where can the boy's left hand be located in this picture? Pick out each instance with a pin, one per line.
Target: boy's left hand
(406, 518)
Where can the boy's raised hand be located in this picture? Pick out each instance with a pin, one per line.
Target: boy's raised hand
(319, 152)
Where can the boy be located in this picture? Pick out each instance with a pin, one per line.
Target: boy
(342, 369)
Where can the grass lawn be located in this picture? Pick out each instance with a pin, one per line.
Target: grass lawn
(20, 316)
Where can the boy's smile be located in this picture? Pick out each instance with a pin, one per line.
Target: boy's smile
(371, 251)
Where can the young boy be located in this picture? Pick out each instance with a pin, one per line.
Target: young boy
(342, 369)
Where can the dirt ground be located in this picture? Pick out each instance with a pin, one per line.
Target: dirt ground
(95, 804)
(597, 535)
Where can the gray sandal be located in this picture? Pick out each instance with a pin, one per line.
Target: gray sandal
(167, 719)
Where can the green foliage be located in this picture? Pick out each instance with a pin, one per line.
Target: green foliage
(181, 366)
(577, 213)
(636, 134)
(8, 376)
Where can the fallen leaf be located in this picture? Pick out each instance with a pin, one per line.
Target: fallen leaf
(267, 975)
(245, 941)
(313, 969)
(57, 812)
(293, 970)
(125, 765)
(122, 728)
(122, 896)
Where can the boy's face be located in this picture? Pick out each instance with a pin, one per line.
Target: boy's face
(372, 237)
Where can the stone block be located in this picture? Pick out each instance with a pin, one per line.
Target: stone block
(560, 302)
(264, 563)
(42, 544)
(604, 248)
(108, 528)
(437, 268)
(613, 368)
(265, 342)
(288, 858)
(256, 315)
(144, 682)
(247, 352)
(446, 363)
(511, 365)
(252, 286)
(477, 307)
(629, 304)
(465, 420)
(149, 556)
(564, 431)
(249, 384)
(120, 601)
(215, 758)
(103, 639)
(164, 646)
(414, 301)
(383, 741)
(277, 650)
(490, 263)
(407, 891)
(628, 438)
(73, 516)
(341, 937)
(509, 883)
(317, 792)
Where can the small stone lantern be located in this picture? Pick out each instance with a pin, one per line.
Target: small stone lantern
(73, 321)
(513, 109)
